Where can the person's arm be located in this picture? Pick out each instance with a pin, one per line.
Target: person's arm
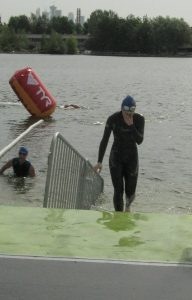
(6, 166)
(31, 171)
(138, 129)
(103, 146)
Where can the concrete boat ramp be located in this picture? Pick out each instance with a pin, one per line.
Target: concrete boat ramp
(76, 254)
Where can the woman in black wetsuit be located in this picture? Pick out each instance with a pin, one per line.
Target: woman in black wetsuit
(128, 131)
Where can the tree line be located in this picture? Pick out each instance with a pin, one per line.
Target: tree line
(157, 35)
(106, 30)
(14, 34)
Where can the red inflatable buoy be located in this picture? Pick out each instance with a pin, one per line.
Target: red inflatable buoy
(32, 93)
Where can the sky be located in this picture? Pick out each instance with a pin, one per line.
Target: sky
(138, 8)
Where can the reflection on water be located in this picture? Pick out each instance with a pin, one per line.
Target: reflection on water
(17, 127)
(18, 191)
(20, 185)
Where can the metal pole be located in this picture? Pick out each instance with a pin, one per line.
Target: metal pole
(14, 142)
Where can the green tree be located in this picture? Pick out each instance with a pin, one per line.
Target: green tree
(8, 39)
(62, 25)
(103, 27)
(78, 29)
(54, 45)
(20, 23)
(107, 32)
(71, 44)
(39, 25)
(21, 42)
(11, 41)
(130, 31)
(85, 28)
(145, 36)
(169, 34)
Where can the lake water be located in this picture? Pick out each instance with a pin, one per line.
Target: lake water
(163, 91)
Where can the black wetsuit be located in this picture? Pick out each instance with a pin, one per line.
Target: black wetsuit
(123, 160)
(20, 170)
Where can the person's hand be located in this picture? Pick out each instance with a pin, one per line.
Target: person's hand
(98, 167)
(128, 118)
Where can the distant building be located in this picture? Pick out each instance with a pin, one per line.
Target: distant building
(54, 12)
(38, 13)
(46, 14)
(58, 13)
(82, 20)
(53, 9)
(71, 16)
(79, 18)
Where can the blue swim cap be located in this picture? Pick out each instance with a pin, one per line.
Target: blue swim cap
(127, 103)
(23, 150)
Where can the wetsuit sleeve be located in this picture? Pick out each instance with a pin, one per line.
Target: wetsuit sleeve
(104, 141)
(138, 130)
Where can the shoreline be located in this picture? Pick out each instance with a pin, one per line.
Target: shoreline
(127, 54)
(117, 54)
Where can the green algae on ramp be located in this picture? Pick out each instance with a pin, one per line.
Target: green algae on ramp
(95, 234)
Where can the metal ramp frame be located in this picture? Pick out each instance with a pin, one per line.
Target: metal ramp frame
(71, 180)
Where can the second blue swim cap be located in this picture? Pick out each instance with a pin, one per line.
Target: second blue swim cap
(128, 102)
(23, 150)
